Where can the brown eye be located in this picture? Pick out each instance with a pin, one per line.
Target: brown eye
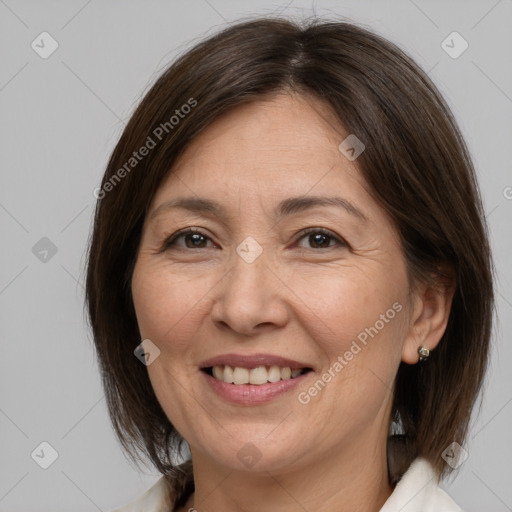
(194, 239)
(320, 238)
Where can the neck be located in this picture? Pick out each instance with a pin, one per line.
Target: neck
(353, 478)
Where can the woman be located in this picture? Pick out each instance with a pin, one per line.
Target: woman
(290, 239)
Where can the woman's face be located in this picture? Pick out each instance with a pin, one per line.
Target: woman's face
(253, 290)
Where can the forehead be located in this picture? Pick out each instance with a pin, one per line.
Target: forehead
(281, 146)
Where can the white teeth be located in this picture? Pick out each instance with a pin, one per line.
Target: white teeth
(257, 376)
(241, 375)
(286, 373)
(274, 374)
(228, 374)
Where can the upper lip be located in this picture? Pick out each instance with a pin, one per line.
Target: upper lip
(252, 361)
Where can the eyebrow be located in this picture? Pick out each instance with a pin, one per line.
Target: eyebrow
(287, 207)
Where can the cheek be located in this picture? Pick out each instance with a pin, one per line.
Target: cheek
(349, 305)
(357, 326)
(356, 321)
(166, 305)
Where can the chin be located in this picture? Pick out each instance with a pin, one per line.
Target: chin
(255, 448)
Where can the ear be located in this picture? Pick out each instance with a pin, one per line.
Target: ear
(431, 306)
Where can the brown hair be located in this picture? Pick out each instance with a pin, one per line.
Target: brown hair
(416, 165)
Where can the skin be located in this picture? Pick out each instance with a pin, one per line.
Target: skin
(304, 298)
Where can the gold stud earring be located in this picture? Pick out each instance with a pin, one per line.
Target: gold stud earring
(423, 352)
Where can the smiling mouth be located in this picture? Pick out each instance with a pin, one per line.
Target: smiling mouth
(257, 376)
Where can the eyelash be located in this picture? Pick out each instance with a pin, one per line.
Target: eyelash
(191, 231)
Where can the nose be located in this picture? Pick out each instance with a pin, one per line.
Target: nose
(251, 297)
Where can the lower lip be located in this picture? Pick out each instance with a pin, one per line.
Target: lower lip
(251, 394)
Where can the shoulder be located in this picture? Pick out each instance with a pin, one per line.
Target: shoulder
(156, 499)
(418, 491)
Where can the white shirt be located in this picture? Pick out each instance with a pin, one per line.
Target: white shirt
(417, 491)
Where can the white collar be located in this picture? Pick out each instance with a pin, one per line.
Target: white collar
(418, 491)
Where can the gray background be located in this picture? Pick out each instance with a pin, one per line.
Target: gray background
(60, 118)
